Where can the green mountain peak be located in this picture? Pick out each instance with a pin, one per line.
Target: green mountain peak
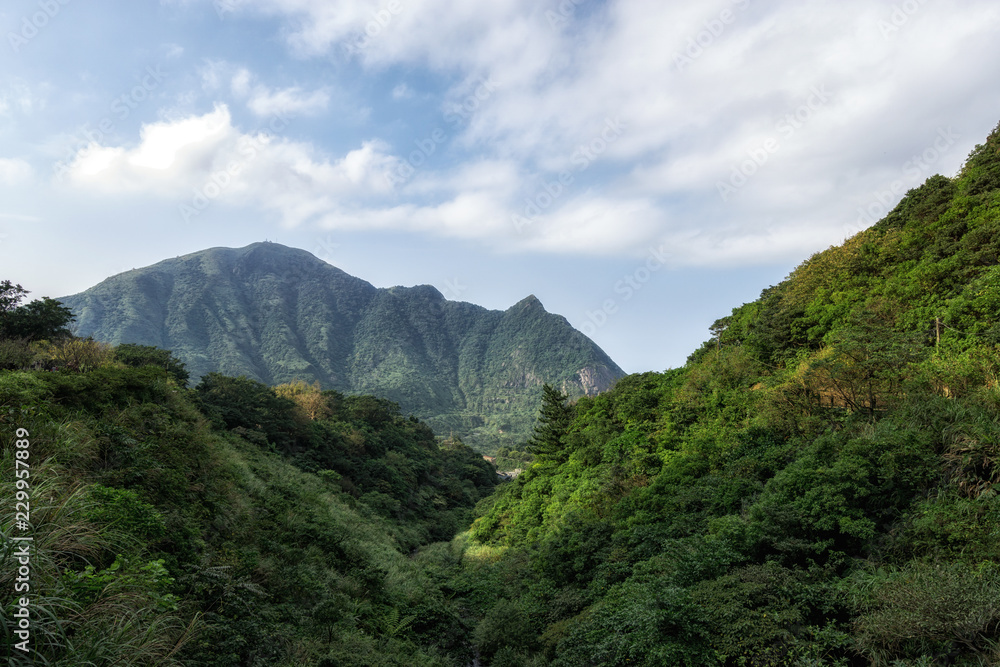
(278, 314)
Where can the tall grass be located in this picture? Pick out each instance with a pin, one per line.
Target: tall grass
(123, 624)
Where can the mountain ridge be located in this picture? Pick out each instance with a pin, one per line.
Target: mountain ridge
(278, 314)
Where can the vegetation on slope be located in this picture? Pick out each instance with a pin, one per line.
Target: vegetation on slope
(231, 524)
(816, 485)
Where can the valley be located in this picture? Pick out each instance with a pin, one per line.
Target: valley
(815, 486)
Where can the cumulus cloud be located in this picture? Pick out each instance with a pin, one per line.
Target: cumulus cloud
(733, 131)
(207, 156)
(202, 159)
(834, 93)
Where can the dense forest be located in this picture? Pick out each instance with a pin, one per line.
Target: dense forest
(814, 487)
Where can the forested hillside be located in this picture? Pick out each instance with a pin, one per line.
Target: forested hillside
(815, 487)
(278, 314)
(232, 524)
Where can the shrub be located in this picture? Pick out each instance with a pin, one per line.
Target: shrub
(123, 510)
(15, 354)
(138, 356)
(75, 354)
(933, 609)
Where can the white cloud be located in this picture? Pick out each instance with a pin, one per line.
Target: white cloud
(162, 143)
(294, 100)
(699, 88)
(262, 100)
(209, 154)
(214, 74)
(240, 85)
(696, 91)
(18, 96)
(592, 224)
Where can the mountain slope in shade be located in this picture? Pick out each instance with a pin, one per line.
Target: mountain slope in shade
(278, 314)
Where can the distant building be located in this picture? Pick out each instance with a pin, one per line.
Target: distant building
(491, 459)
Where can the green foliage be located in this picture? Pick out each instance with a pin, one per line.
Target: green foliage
(105, 387)
(44, 319)
(166, 541)
(152, 579)
(763, 614)
(10, 296)
(509, 459)
(138, 356)
(935, 609)
(124, 510)
(818, 485)
(15, 354)
(553, 421)
(72, 354)
(248, 405)
(505, 626)
(639, 623)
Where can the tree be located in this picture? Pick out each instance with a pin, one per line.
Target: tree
(553, 421)
(44, 319)
(242, 403)
(310, 400)
(867, 363)
(10, 296)
(138, 356)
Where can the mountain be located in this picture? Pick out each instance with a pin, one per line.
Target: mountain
(279, 314)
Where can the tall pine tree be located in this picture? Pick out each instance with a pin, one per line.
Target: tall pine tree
(553, 421)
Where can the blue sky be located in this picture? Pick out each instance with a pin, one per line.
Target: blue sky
(641, 167)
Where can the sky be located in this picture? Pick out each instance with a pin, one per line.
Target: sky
(642, 167)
